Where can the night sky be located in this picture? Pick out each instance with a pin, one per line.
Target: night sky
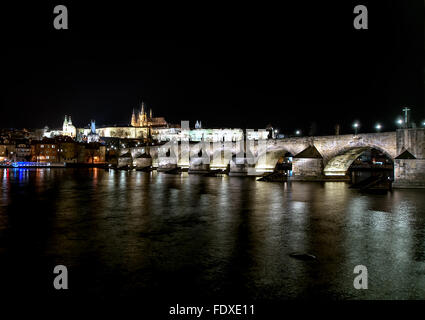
(247, 66)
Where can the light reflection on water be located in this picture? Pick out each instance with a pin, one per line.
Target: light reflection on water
(153, 234)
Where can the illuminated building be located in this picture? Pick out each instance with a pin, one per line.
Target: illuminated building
(67, 151)
(214, 135)
(143, 126)
(149, 128)
(141, 119)
(22, 151)
(68, 129)
(44, 151)
(15, 150)
(208, 135)
(3, 152)
(91, 153)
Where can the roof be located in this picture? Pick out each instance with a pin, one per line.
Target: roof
(310, 152)
(126, 155)
(143, 155)
(405, 155)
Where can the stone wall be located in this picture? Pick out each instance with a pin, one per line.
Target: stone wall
(409, 173)
(412, 140)
(304, 167)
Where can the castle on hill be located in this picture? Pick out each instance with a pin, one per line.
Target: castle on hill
(141, 119)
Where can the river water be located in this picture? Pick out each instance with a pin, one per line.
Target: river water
(192, 238)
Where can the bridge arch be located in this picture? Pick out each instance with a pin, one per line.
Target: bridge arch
(338, 164)
(269, 160)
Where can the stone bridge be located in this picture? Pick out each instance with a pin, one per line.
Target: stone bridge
(322, 158)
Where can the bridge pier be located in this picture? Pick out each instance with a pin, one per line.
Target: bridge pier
(308, 165)
(197, 166)
(238, 167)
(409, 173)
(305, 169)
(409, 165)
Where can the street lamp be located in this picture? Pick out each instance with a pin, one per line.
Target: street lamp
(423, 123)
(356, 126)
(298, 132)
(400, 122)
(378, 127)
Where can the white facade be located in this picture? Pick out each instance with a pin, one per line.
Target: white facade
(68, 129)
(208, 135)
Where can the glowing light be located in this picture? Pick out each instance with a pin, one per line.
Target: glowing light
(378, 127)
(261, 170)
(298, 132)
(356, 126)
(20, 164)
(334, 173)
(218, 167)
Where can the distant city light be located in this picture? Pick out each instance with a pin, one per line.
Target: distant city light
(378, 127)
(400, 121)
(356, 126)
(298, 132)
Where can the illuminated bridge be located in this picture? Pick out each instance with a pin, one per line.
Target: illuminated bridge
(322, 158)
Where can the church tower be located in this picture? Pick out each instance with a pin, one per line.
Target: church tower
(142, 116)
(133, 119)
(65, 124)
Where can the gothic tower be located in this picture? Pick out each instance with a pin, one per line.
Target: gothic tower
(142, 116)
(133, 119)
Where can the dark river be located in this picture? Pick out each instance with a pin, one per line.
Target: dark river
(195, 239)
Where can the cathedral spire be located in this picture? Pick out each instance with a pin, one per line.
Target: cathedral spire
(133, 119)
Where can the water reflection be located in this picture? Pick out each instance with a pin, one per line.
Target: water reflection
(149, 234)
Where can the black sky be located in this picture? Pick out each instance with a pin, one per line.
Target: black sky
(242, 66)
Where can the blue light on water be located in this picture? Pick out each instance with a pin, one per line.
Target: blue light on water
(21, 164)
